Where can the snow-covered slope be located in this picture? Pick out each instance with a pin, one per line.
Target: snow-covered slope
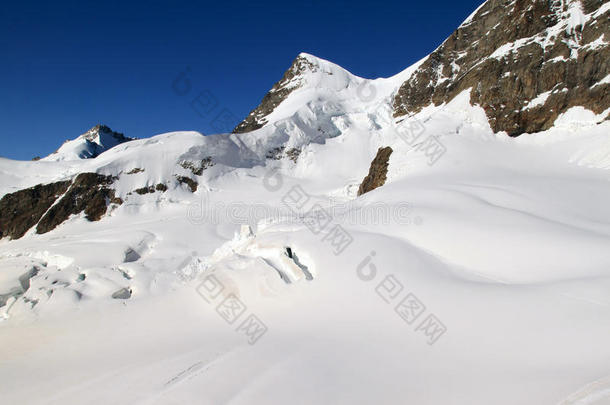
(242, 268)
(89, 145)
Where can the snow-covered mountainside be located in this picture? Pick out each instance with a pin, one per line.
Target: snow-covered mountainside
(353, 241)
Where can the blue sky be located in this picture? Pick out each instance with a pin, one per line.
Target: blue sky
(67, 66)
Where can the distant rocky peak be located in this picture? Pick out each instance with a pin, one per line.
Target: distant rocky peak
(304, 63)
(95, 134)
(89, 145)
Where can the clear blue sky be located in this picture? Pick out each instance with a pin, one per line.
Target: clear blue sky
(67, 66)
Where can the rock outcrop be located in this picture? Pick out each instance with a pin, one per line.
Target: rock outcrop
(278, 93)
(48, 205)
(378, 171)
(89, 193)
(191, 184)
(197, 168)
(151, 189)
(524, 61)
(21, 210)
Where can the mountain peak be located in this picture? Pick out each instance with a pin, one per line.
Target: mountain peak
(307, 56)
(89, 145)
(103, 130)
(293, 78)
(525, 62)
(306, 71)
(310, 62)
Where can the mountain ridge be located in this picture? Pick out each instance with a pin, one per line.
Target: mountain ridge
(554, 43)
(301, 125)
(511, 52)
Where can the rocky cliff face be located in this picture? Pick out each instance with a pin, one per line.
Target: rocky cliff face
(377, 172)
(21, 210)
(89, 193)
(525, 61)
(48, 205)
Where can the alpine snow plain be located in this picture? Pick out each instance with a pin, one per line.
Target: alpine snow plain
(478, 273)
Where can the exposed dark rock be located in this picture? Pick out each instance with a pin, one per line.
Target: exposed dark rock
(21, 210)
(278, 93)
(89, 193)
(150, 189)
(36, 158)
(144, 190)
(197, 168)
(506, 84)
(192, 184)
(135, 171)
(280, 152)
(275, 153)
(293, 154)
(377, 172)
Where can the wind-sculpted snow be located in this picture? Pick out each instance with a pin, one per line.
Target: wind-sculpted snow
(493, 261)
(244, 268)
